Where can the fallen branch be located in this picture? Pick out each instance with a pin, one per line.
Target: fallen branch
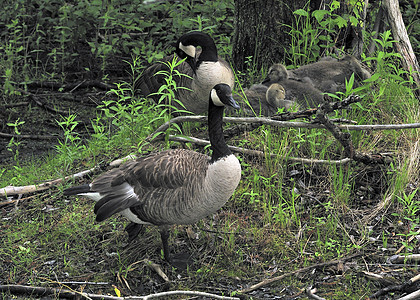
(41, 104)
(72, 86)
(403, 287)
(311, 294)
(257, 152)
(27, 136)
(11, 105)
(16, 190)
(412, 296)
(409, 241)
(281, 124)
(396, 259)
(65, 293)
(274, 279)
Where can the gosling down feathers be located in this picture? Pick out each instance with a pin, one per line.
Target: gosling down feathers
(262, 100)
(300, 91)
(175, 186)
(203, 67)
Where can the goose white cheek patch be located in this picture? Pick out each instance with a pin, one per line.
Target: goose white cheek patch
(189, 50)
(215, 98)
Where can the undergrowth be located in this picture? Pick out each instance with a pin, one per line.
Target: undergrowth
(284, 215)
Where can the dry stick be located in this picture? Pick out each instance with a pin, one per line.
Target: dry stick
(73, 86)
(16, 190)
(27, 136)
(409, 241)
(394, 288)
(65, 293)
(311, 294)
(257, 152)
(274, 279)
(11, 105)
(40, 103)
(281, 124)
(412, 296)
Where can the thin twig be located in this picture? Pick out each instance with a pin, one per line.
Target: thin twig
(281, 124)
(65, 293)
(16, 190)
(41, 104)
(257, 152)
(27, 136)
(274, 279)
(394, 288)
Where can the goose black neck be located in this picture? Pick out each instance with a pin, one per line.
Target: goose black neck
(208, 47)
(217, 140)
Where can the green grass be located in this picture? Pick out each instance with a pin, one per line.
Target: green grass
(283, 216)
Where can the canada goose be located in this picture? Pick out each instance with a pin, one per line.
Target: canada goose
(276, 95)
(263, 100)
(175, 186)
(300, 91)
(203, 67)
(330, 75)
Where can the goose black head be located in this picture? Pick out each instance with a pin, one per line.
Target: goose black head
(221, 95)
(186, 46)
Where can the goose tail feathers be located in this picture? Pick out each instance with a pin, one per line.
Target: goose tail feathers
(81, 189)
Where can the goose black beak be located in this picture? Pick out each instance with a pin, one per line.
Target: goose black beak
(232, 102)
(193, 63)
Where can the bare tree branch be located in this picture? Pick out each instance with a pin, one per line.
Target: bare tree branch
(66, 293)
(27, 136)
(274, 279)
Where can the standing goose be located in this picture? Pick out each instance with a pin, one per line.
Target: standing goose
(203, 66)
(175, 186)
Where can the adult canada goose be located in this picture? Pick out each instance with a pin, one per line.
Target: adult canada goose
(300, 91)
(203, 67)
(175, 186)
(330, 75)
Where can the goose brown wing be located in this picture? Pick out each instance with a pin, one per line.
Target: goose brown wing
(154, 77)
(149, 179)
(169, 169)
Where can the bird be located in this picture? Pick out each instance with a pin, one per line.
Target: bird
(275, 97)
(299, 91)
(329, 75)
(176, 186)
(203, 68)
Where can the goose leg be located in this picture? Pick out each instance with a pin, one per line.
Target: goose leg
(133, 230)
(164, 235)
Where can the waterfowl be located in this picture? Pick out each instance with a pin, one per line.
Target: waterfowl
(260, 100)
(203, 67)
(330, 75)
(176, 186)
(300, 91)
(275, 97)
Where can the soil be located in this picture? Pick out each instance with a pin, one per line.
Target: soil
(371, 182)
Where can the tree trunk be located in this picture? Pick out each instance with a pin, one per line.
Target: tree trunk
(260, 32)
(403, 45)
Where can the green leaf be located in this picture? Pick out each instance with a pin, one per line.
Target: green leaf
(373, 78)
(301, 12)
(319, 14)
